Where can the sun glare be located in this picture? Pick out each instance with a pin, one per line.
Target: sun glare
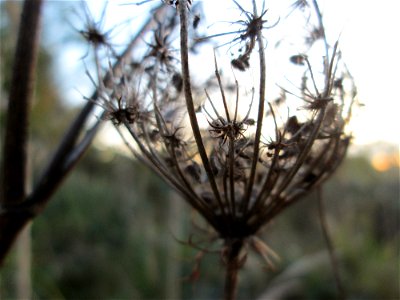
(384, 161)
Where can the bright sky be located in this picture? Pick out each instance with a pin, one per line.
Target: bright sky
(371, 49)
(369, 46)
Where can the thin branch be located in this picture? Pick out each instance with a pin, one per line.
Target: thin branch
(260, 116)
(232, 174)
(14, 216)
(221, 90)
(273, 173)
(190, 105)
(322, 28)
(70, 151)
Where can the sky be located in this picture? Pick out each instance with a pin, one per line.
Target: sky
(369, 47)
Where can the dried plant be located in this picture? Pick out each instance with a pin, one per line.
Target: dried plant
(17, 206)
(237, 172)
(237, 179)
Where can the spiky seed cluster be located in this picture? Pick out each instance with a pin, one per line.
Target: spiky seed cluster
(237, 180)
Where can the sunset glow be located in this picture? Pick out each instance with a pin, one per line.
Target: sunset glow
(384, 161)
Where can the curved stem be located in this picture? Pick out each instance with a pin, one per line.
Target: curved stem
(190, 105)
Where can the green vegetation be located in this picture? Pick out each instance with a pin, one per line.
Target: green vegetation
(106, 235)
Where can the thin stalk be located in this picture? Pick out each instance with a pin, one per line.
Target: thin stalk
(190, 105)
(329, 244)
(259, 117)
(172, 152)
(272, 175)
(233, 264)
(14, 216)
(322, 28)
(159, 168)
(162, 127)
(314, 133)
(278, 202)
(232, 174)
(55, 173)
(222, 90)
(232, 154)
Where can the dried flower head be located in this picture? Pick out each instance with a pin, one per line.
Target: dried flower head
(122, 113)
(237, 172)
(93, 31)
(160, 49)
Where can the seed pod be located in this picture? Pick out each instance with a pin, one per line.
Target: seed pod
(292, 125)
(177, 81)
(297, 59)
(196, 21)
(241, 63)
(194, 171)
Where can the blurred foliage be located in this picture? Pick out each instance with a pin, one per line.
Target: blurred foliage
(106, 234)
(88, 212)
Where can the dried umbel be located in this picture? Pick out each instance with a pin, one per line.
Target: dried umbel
(242, 168)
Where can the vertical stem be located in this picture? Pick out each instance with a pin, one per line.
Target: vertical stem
(260, 116)
(189, 102)
(232, 174)
(222, 90)
(14, 169)
(328, 240)
(321, 27)
(20, 98)
(233, 265)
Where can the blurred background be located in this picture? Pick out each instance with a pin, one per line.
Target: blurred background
(112, 229)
